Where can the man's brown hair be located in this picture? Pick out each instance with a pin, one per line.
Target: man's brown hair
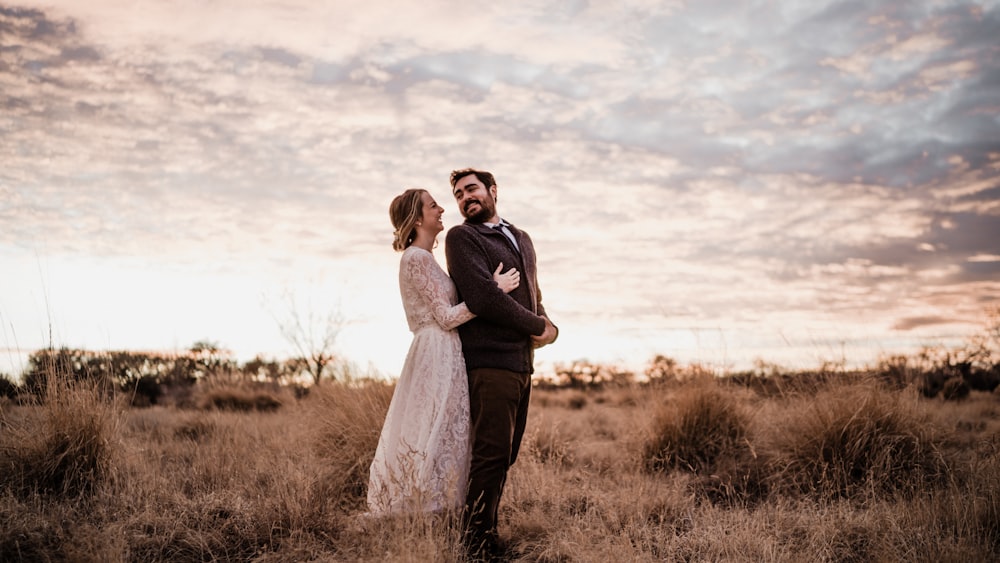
(483, 176)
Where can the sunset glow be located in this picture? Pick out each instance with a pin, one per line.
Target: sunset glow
(791, 181)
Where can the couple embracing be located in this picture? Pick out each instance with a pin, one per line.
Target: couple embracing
(459, 409)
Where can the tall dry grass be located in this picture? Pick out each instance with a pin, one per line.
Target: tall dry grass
(696, 426)
(57, 459)
(65, 447)
(704, 429)
(348, 421)
(856, 441)
(698, 471)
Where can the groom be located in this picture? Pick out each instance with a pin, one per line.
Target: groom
(498, 344)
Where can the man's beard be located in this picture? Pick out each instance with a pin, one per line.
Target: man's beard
(487, 209)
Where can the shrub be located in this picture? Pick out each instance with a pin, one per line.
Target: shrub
(984, 379)
(8, 388)
(576, 401)
(930, 383)
(854, 440)
(955, 389)
(239, 399)
(70, 453)
(896, 371)
(147, 391)
(693, 432)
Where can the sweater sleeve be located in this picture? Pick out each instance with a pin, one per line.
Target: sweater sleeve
(468, 264)
(539, 308)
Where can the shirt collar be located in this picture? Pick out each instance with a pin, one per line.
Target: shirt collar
(502, 223)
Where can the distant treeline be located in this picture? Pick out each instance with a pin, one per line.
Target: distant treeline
(935, 370)
(932, 372)
(148, 377)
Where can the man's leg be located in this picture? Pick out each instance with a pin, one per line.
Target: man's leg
(520, 420)
(494, 398)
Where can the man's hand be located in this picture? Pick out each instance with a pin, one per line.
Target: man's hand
(547, 337)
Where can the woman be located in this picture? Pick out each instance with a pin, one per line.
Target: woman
(421, 463)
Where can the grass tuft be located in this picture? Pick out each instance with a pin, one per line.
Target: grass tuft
(546, 443)
(68, 450)
(698, 427)
(856, 441)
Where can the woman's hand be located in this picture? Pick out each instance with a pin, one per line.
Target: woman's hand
(507, 281)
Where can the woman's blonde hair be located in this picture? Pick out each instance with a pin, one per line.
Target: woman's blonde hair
(404, 212)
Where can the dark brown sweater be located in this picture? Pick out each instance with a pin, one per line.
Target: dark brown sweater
(500, 335)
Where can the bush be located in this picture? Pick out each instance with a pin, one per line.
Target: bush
(239, 399)
(855, 440)
(147, 391)
(69, 454)
(8, 388)
(576, 401)
(955, 389)
(930, 383)
(701, 425)
(984, 379)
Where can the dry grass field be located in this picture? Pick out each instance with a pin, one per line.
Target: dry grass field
(700, 470)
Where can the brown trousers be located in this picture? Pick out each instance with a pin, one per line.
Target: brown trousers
(498, 401)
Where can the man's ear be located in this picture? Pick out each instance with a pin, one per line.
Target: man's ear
(493, 192)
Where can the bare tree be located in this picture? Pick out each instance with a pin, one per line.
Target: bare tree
(312, 333)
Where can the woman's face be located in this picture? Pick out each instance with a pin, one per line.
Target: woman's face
(431, 214)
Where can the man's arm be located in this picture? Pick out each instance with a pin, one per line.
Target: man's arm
(547, 337)
(473, 276)
(551, 332)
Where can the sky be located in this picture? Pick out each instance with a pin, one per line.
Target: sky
(794, 182)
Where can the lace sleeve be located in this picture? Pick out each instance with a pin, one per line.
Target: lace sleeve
(433, 290)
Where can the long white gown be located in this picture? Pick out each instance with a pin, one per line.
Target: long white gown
(421, 463)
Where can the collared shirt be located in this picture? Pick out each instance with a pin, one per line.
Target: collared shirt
(503, 229)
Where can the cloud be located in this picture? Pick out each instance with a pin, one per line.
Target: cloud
(739, 166)
(910, 323)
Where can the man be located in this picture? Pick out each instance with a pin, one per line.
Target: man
(498, 344)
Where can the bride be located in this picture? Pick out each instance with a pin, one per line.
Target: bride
(421, 463)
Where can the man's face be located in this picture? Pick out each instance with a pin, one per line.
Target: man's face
(475, 201)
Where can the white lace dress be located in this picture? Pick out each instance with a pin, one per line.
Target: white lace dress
(421, 463)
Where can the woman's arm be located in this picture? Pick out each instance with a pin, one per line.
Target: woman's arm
(418, 269)
(418, 272)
